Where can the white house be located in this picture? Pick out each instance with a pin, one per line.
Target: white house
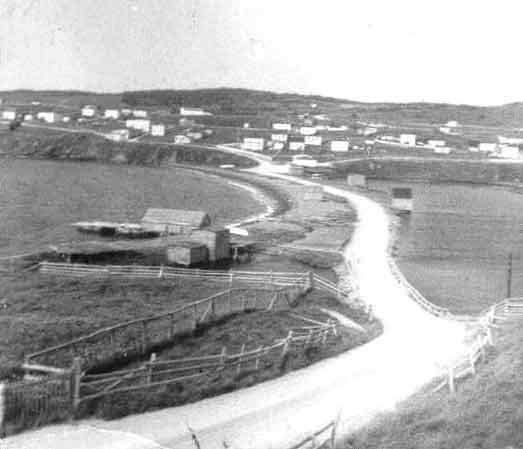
(279, 137)
(408, 139)
(452, 124)
(28, 117)
(193, 111)
(119, 135)
(451, 131)
(307, 130)
(112, 113)
(337, 128)
(442, 150)
(66, 119)
(180, 139)
(313, 141)
(158, 130)
(139, 124)
(278, 146)
(49, 117)
(508, 152)
(195, 135)
(253, 143)
(282, 126)
(340, 146)
(510, 140)
(139, 113)
(88, 111)
(485, 147)
(296, 145)
(9, 115)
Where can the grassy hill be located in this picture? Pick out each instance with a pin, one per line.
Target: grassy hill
(486, 411)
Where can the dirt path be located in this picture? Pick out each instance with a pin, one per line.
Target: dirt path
(357, 385)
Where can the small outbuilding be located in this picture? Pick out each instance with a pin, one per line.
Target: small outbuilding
(356, 180)
(175, 221)
(217, 240)
(187, 253)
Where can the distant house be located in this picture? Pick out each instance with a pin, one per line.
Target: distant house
(432, 143)
(297, 145)
(187, 253)
(195, 135)
(175, 221)
(28, 117)
(315, 141)
(253, 143)
(139, 124)
(119, 135)
(356, 180)
(510, 140)
(486, 147)
(321, 117)
(217, 240)
(139, 113)
(282, 126)
(193, 111)
(408, 139)
(112, 113)
(49, 117)
(279, 137)
(180, 139)
(307, 131)
(278, 146)
(507, 152)
(340, 146)
(452, 124)
(158, 130)
(89, 111)
(9, 114)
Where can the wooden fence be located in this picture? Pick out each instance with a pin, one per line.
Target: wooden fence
(137, 337)
(167, 272)
(466, 364)
(324, 438)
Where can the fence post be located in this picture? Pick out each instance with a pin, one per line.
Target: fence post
(334, 429)
(450, 373)
(333, 327)
(309, 338)
(310, 284)
(239, 368)
(144, 336)
(257, 362)
(285, 349)
(160, 273)
(213, 308)
(76, 377)
(150, 368)
(324, 335)
(172, 326)
(223, 357)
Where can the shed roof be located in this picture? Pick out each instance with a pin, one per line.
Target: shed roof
(194, 218)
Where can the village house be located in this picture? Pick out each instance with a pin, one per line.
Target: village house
(307, 131)
(195, 135)
(282, 126)
(193, 111)
(279, 137)
(253, 143)
(340, 146)
(408, 139)
(49, 117)
(139, 113)
(181, 139)
(119, 135)
(9, 114)
(158, 130)
(139, 124)
(89, 111)
(112, 114)
(296, 145)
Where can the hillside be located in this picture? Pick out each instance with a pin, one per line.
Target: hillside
(485, 413)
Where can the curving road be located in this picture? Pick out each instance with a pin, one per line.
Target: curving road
(275, 414)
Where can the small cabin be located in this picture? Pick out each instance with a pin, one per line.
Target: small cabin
(175, 221)
(217, 240)
(187, 253)
(402, 199)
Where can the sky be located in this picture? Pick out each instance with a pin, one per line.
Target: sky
(459, 51)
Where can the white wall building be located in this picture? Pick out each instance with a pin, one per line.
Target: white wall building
(28, 117)
(433, 143)
(9, 115)
(340, 146)
(180, 139)
(307, 130)
(442, 150)
(158, 130)
(253, 143)
(296, 145)
(313, 141)
(49, 117)
(279, 137)
(282, 126)
(193, 111)
(408, 139)
(139, 113)
(486, 147)
(112, 113)
(139, 124)
(278, 146)
(88, 111)
(510, 140)
(508, 152)
(195, 135)
(119, 135)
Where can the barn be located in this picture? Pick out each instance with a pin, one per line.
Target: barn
(175, 221)
(217, 240)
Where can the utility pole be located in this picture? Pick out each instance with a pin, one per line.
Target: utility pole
(509, 276)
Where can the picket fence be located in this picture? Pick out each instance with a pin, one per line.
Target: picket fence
(466, 364)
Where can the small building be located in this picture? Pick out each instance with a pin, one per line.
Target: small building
(508, 152)
(195, 135)
(433, 143)
(139, 113)
(282, 126)
(340, 146)
(66, 119)
(28, 117)
(510, 140)
(307, 130)
(193, 111)
(49, 117)
(253, 143)
(297, 145)
(442, 150)
(119, 135)
(402, 199)
(112, 114)
(89, 111)
(139, 124)
(126, 112)
(186, 253)
(9, 114)
(186, 123)
(311, 193)
(452, 124)
(278, 146)
(158, 130)
(315, 141)
(181, 139)
(217, 240)
(486, 147)
(356, 180)
(174, 221)
(321, 117)
(337, 128)
(279, 137)
(408, 139)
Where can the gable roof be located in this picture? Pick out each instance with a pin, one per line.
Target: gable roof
(194, 218)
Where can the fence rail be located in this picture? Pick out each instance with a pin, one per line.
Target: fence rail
(167, 272)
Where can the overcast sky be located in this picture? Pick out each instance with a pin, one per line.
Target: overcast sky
(456, 51)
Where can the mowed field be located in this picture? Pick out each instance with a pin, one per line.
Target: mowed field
(40, 199)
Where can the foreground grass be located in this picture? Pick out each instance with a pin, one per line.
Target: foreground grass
(486, 411)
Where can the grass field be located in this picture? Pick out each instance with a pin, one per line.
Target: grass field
(485, 413)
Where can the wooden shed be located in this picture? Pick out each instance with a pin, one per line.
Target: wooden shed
(187, 253)
(174, 221)
(217, 240)
(356, 180)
